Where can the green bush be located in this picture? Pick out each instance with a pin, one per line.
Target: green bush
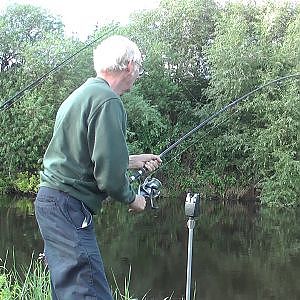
(26, 183)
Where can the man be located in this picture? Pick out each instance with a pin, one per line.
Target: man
(86, 162)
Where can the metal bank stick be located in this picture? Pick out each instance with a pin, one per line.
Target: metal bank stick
(192, 209)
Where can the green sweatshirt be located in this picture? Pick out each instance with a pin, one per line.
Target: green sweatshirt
(87, 156)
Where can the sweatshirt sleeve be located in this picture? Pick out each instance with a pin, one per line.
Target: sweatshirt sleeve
(109, 152)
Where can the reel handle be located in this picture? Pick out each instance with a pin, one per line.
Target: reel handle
(150, 202)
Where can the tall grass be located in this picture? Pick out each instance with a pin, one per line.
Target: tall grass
(118, 294)
(33, 283)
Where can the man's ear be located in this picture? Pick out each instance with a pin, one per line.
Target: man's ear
(130, 67)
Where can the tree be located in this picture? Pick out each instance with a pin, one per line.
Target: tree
(258, 144)
(22, 25)
(37, 45)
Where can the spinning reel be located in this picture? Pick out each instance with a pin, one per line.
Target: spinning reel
(150, 189)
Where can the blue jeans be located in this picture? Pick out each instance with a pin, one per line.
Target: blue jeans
(71, 250)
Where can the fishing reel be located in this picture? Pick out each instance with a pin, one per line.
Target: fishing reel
(150, 189)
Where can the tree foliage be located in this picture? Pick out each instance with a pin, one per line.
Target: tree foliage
(253, 46)
(198, 57)
(37, 44)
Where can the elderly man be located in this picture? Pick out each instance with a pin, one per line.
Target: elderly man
(86, 162)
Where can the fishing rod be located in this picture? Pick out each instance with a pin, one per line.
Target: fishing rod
(8, 103)
(147, 185)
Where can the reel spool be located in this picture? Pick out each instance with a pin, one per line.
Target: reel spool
(150, 189)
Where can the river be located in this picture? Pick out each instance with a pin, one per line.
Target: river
(239, 252)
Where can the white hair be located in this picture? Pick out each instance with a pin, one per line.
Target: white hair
(114, 54)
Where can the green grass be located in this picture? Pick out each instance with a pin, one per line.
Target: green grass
(27, 284)
(33, 283)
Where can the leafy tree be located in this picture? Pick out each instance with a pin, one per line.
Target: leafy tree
(27, 127)
(257, 146)
(173, 36)
(22, 25)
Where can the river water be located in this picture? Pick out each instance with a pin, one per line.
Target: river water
(239, 252)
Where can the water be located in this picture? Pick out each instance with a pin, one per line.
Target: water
(239, 252)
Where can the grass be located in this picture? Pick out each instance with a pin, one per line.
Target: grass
(27, 284)
(33, 283)
(118, 294)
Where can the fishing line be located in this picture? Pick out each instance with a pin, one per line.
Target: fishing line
(8, 103)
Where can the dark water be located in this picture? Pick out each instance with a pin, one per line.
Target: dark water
(239, 252)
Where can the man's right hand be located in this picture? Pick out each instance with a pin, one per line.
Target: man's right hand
(138, 204)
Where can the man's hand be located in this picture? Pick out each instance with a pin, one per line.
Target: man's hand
(138, 204)
(148, 161)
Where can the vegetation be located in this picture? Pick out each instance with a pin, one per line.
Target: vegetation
(34, 283)
(31, 283)
(198, 57)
